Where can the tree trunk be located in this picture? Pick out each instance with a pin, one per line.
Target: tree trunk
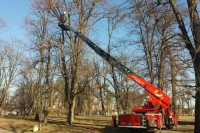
(70, 118)
(45, 114)
(194, 51)
(102, 101)
(47, 89)
(37, 116)
(104, 86)
(173, 81)
(3, 101)
(161, 68)
(126, 95)
(39, 95)
(98, 81)
(197, 98)
(116, 88)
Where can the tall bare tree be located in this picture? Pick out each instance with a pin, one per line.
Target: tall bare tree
(100, 86)
(28, 83)
(153, 26)
(164, 28)
(193, 46)
(37, 29)
(9, 63)
(84, 11)
(114, 19)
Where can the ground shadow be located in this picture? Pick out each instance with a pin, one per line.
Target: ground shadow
(110, 129)
(186, 122)
(84, 125)
(16, 129)
(89, 119)
(56, 122)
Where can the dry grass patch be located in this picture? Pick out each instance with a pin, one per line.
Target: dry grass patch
(82, 124)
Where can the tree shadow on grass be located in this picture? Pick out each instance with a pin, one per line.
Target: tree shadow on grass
(89, 119)
(110, 129)
(186, 122)
(17, 128)
(84, 125)
(84, 122)
(56, 122)
(88, 127)
(179, 130)
(184, 127)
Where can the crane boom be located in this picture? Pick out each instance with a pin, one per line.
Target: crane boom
(158, 96)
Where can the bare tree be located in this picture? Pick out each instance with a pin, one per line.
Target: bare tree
(146, 23)
(28, 85)
(37, 28)
(9, 63)
(164, 27)
(100, 86)
(193, 46)
(84, 10)
(112, 25)
(153, 26)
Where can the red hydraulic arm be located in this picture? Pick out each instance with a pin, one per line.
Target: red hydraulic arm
(158, 96)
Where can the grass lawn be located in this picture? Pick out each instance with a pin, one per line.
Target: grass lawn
(82, 124)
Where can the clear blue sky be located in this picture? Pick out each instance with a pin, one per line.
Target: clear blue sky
(13, 13)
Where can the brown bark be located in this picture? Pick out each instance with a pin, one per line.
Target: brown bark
(111, 27)
(126, 99)
(102, 94)
(47, 86)
(64, 68)
(37, 27)
(39, 84)
(116, 88)
(173, 81)
(84, 13)
(161, 68)
(100, 87)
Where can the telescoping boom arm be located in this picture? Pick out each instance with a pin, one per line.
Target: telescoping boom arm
(158, 96)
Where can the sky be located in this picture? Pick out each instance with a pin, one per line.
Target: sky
(13, 13)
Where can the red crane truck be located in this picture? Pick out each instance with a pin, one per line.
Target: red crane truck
(156, 112)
